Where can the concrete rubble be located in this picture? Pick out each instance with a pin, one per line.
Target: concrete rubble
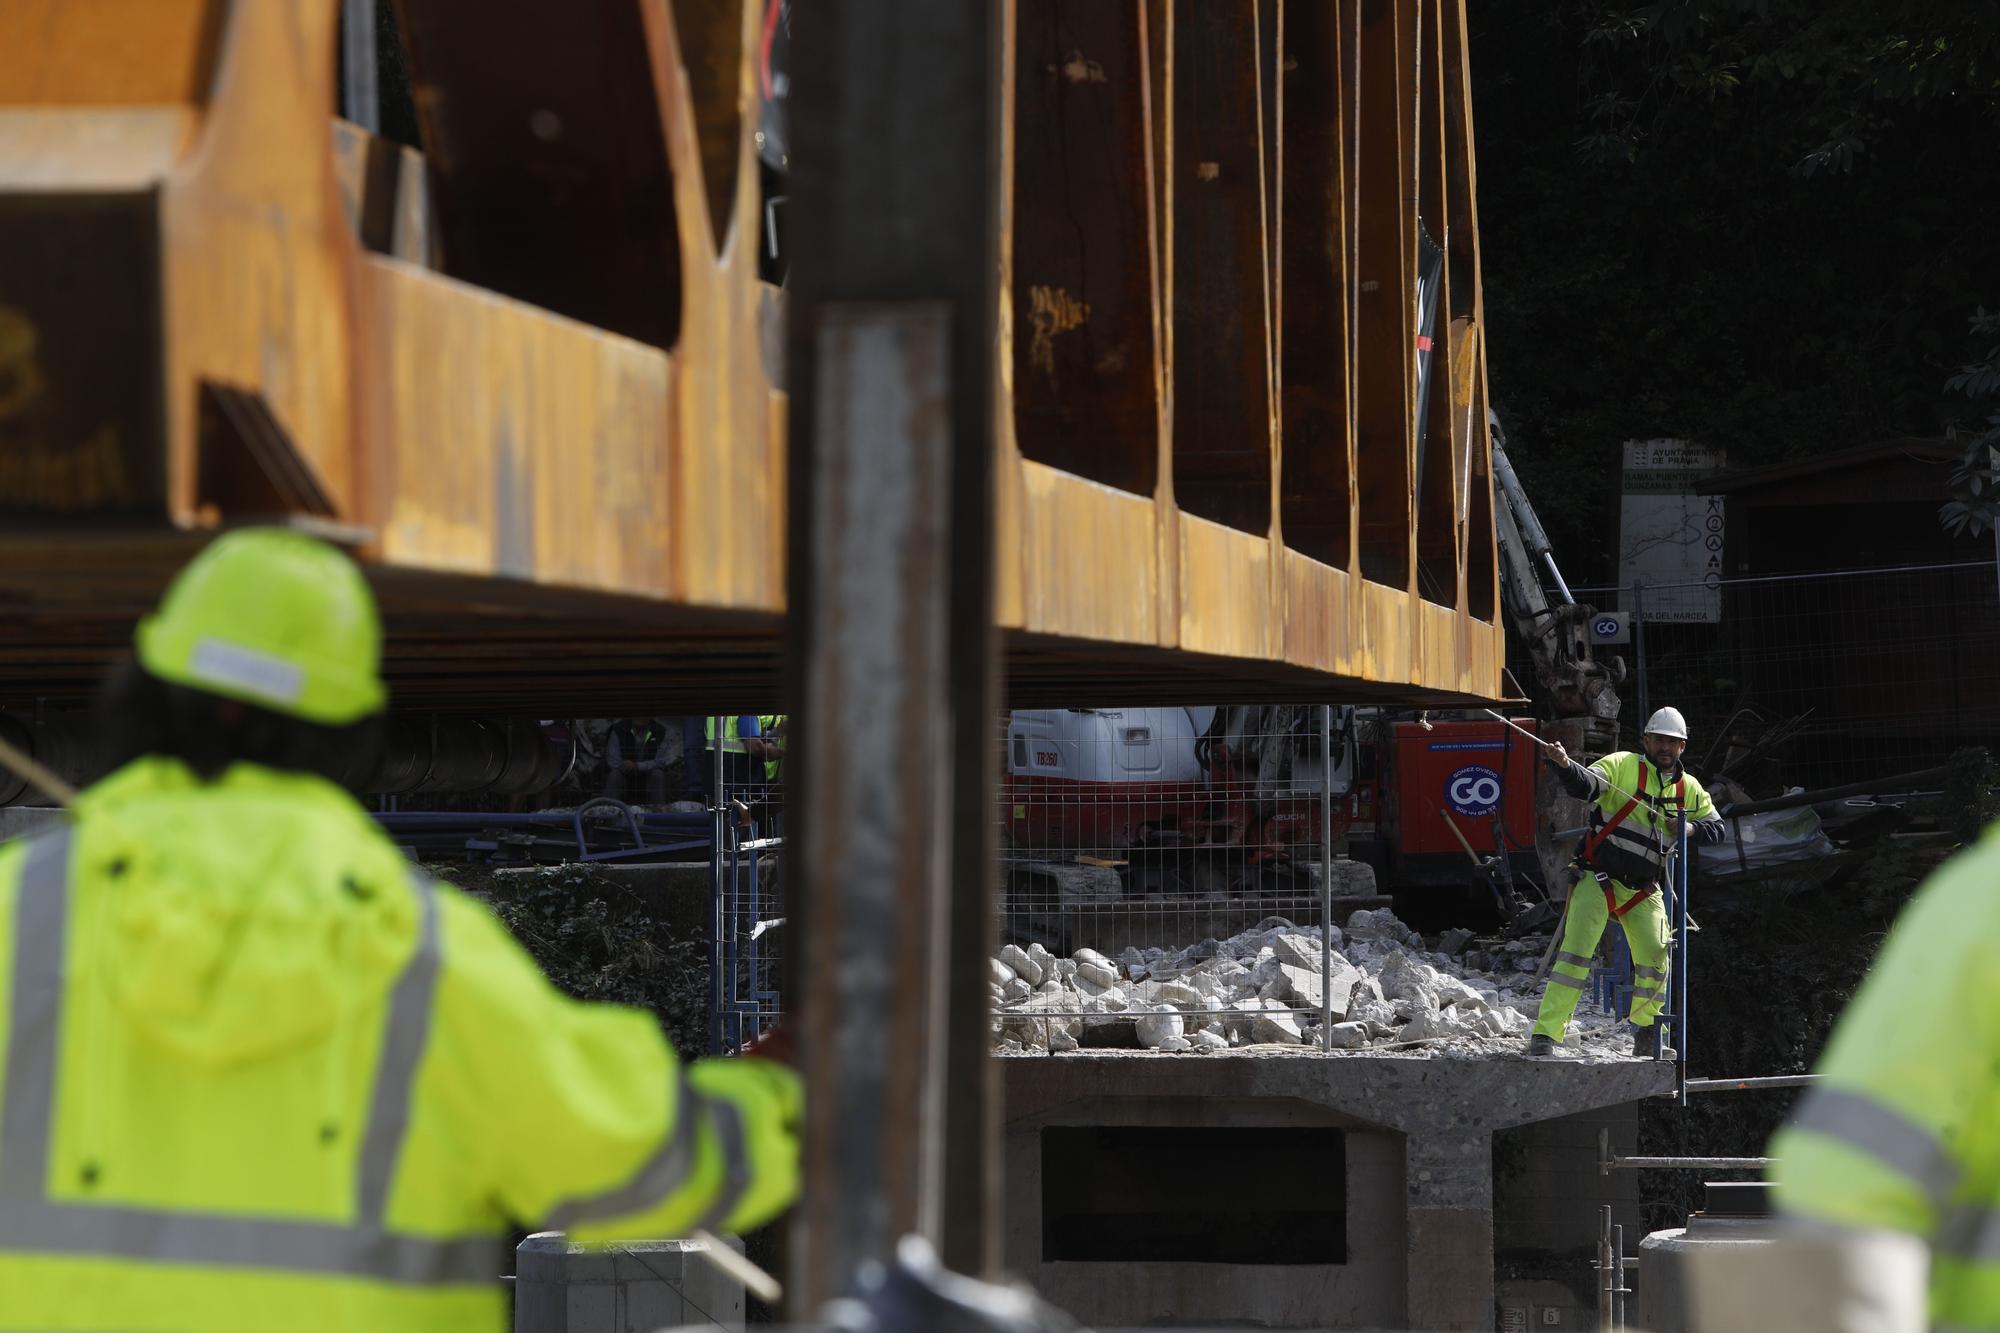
(1269, 986)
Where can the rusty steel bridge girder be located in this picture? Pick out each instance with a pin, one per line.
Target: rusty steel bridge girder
(532, 376)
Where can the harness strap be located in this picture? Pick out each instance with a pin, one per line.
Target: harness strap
(1611, 900)
(1596, 839)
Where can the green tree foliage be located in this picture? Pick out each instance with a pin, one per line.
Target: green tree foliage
(1974, 506)
(1761, 225)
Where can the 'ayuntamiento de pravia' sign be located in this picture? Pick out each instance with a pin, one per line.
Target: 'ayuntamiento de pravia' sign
(1669, 535)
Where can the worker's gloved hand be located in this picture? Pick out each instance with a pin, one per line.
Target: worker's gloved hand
(771, 1100)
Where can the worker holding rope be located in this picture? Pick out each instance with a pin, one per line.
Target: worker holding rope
(1638, 802)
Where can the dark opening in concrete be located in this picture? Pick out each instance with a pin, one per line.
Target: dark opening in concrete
(1133, 1194)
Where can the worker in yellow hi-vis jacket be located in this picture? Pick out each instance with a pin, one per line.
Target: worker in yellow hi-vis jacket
(1638, 802)
(259, 1073)
(1890, 1168)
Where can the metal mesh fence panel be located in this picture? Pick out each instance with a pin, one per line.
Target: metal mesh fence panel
(747, 952)
(1820, 680)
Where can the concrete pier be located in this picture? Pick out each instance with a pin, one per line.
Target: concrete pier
(1408, 1243)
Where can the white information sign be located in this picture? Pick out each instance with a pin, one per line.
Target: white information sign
(1670, 537)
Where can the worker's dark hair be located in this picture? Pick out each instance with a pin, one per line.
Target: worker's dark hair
(139, 714)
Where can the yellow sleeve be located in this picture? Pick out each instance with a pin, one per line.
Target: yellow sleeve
(1880, 1141)
(581, 1116)
(1700, 805)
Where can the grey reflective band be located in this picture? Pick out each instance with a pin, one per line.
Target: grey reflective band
(1573, 959)
(41, 948)
(32, 1223)
(1652, 972)
(1970, 1232)
(404, 1039)
(666, 1171)
(727, 1118)
(1564, 979)
(155, 1236)
(1883, 1133)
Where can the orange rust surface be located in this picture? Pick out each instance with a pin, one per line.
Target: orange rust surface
(508, 451)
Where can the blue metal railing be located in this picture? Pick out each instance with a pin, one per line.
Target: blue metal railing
(1682, 1025)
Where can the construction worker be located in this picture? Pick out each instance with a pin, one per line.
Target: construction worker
(733, 768)
(260, 1073)
(771, 728)
(1890, 1167)
(1638, 801)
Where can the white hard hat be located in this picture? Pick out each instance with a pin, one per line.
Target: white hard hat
(1667, 722)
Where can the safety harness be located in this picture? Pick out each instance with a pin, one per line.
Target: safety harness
(1597, 839)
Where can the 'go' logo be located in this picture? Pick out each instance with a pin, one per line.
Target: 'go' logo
(1473, 790)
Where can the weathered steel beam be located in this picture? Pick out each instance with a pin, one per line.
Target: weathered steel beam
(895, 159)
(536, 364)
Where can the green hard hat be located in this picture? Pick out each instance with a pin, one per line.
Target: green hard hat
(273, 618)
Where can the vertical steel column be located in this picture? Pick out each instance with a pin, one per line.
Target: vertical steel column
(893, 275)
(359, 100)
(1326, 876)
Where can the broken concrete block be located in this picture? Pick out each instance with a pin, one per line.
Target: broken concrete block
(1439, 1025)
(1016, 990)
(1381, 923)
(1208, 1039)
(1097, 974)
(1065, 968)
(1049, 987)
(1306, 987)
(1353, 879)
(1454, 941)
(1279, 1027)
(1178, 995)
(1154, 1029)
(1110, 1001)
(1042, 959)
(1297, 950)
(1451, 991)
(1025, 967)
(1236, 1017)
(1062, 1041)
(1267, 970)
(1082, 956)
(1134, 964)
(1379, 1015)
(1407, 981)
(1207, 984)
(1348, 1036)
(1367, 991)
(1002, 974)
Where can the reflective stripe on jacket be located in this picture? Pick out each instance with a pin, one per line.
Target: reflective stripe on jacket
(1902, 1133)
(259, 1074)
(1647, 833)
